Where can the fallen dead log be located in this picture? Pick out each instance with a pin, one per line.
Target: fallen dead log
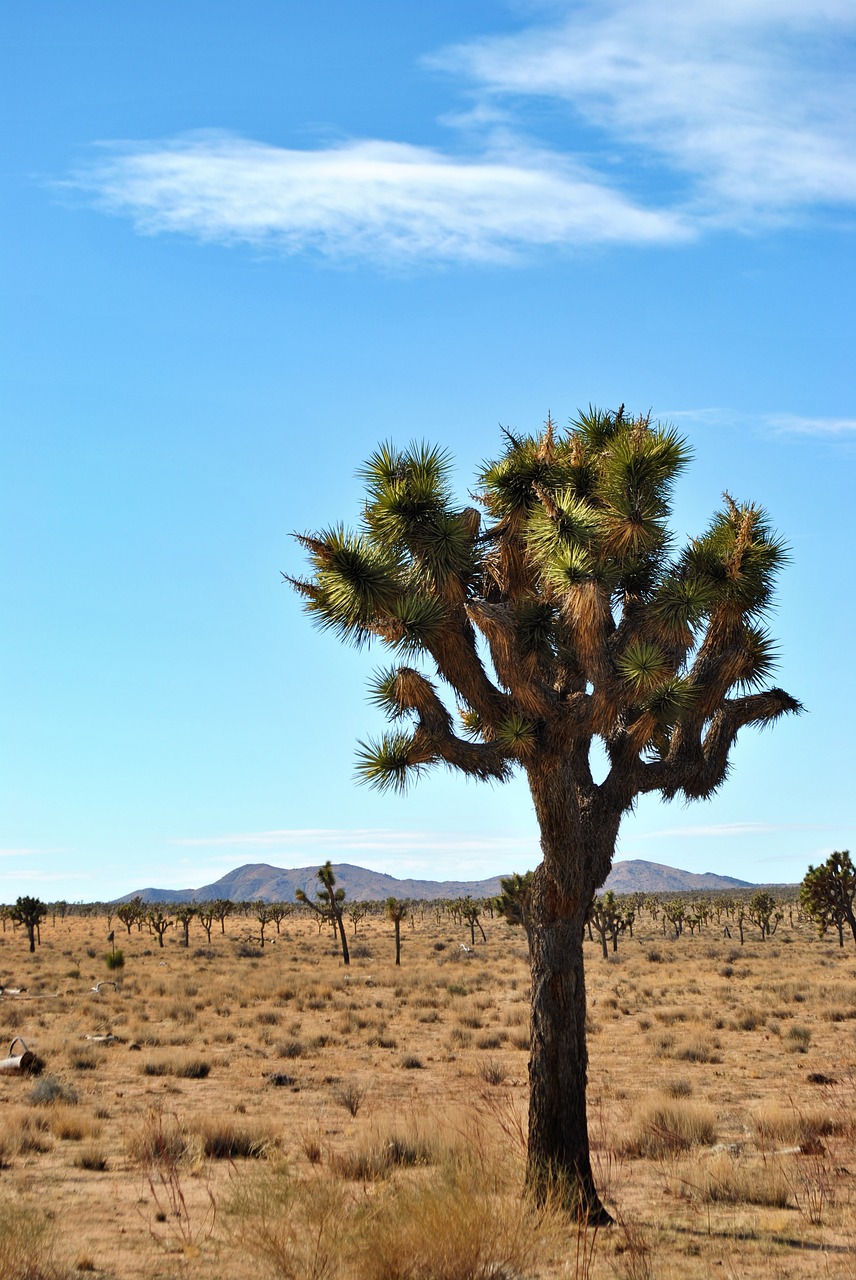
(26, 1061)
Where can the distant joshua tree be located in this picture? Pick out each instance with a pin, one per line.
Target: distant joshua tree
(158, 923)
(827, 894)
(184, 914)
(329, 906)
(396, 911)
(30, 912)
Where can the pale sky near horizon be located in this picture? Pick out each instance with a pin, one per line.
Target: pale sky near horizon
(243, 244)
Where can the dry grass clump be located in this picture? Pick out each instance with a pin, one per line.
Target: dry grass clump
(160, 1139)
(222, 1138)
(187, 1066)
(665, 1125)
(450, 1227)
(70, 1124)
(377, 1157)
(454, 1229)
(776, 1125)
(23, 1132)
(28, 1243)
(726, 1179)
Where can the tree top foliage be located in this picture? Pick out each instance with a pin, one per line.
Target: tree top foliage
(555, 611)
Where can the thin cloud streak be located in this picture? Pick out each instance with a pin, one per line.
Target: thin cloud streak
(790, 424)
(780, 423)
(383, 200)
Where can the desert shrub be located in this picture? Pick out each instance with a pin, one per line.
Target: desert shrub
(666, 1125)
(248, 951)
(226, 1139)
(411, 1063)
(50, 1089)
(678, 1088)
(192, 1068)
(291, 1049)
(115, 960)
(92, 1159)
(798, 1039)
(492, 1072)
(350, 1096)
(698, 1050)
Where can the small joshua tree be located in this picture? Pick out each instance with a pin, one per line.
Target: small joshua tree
(607, 920)
(396, 911)
(329, 906)
(30, 912)
(515, 901)
(158, 923)
(184, 914)
(761, 910)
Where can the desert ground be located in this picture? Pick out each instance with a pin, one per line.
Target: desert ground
(274, 1113)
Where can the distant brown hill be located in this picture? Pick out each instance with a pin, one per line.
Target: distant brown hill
(259, 881)
(636, 876)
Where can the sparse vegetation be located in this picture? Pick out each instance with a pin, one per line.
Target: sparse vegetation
(213, 1076)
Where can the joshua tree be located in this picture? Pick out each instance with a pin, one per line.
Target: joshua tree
(607, 919)
(264, 915)
(761, 910)
(184, 914)
(30, 912)
(827, 893)
(205, 911)
(515, 901)
(332, 900)
(130, 913)
(563, 617)
(158, 923)
(222, 907)
(397, 911)
(470, 912)
(278, 912)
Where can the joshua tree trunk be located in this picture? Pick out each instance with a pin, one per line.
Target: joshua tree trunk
(558, 1158)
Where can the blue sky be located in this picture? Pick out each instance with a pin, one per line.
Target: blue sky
(243, 244)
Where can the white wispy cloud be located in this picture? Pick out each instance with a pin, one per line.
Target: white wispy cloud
(384, 200)
(791, 424)
(742, 110)
(779, 423)
(751, 102)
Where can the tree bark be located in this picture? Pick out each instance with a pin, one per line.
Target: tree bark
(558, 1158)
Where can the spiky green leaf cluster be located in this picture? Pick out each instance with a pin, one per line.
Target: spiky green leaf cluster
(565, 613)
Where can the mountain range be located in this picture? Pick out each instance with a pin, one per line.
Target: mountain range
(258, 881)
